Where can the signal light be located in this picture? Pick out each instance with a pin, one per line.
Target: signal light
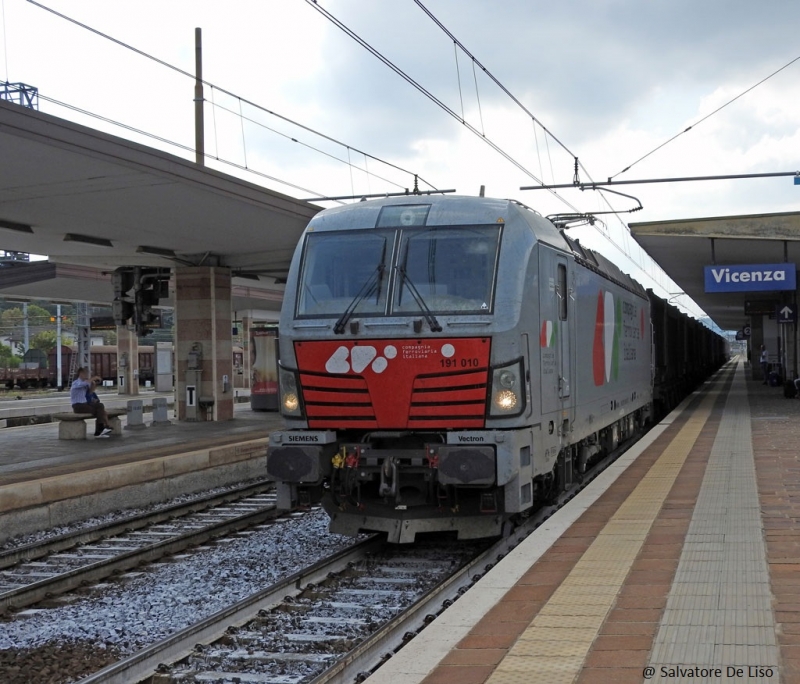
(122, 311)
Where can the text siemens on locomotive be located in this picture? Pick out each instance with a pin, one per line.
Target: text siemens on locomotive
(448, 363)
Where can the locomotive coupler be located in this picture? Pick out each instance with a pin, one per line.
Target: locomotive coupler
(389, 478)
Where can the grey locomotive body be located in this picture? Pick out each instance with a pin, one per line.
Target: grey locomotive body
(448, 363)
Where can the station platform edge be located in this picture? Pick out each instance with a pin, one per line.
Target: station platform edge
(46, 482)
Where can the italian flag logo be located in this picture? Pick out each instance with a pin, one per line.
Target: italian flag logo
(547, 335)
(605, 350)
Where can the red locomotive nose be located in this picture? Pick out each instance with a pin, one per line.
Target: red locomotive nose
(395, 384)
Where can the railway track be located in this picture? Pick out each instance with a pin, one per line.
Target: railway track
(38, 571)
(334, 621)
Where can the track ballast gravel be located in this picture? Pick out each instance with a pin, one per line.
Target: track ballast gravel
(60, 644)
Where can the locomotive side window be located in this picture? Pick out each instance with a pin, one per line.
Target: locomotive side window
(563, 295)
(339, 267)
(452, 269)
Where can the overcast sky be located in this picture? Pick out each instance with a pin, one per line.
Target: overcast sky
(612, 79)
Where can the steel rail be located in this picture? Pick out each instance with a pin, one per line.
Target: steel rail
(392, 635)
(69, 540)
(92, 572)
(146, 662)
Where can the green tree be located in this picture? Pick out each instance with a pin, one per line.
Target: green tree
(15, 317)
(45, 340)
(11, 318)
(5, 351)
(7, 358)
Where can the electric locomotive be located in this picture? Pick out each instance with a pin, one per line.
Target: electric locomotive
(449, 363)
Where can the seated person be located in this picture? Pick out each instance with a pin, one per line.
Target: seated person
(81, 404)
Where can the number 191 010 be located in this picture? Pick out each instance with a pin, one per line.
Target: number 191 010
(459, 363)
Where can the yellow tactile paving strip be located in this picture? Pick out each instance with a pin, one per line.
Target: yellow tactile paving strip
(555, 645)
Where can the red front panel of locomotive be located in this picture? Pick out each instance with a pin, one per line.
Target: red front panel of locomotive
(401, 384)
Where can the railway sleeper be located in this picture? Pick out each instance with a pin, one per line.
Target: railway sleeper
(266, 656)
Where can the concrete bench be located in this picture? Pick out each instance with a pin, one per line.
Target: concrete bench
(73, 425)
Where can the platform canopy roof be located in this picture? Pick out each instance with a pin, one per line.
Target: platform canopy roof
(83, 197)
(69, 283)
(684, 247)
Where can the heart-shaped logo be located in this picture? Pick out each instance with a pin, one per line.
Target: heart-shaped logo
(338, 361)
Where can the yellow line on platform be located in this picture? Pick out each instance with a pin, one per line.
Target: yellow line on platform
(554, 646)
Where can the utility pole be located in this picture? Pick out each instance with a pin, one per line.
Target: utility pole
(199, 126)
(84, 344)
(60, 381)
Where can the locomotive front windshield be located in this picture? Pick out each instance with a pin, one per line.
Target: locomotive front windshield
(336, 268)
(450, 269)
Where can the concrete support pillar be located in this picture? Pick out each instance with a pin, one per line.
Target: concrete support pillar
(127, 362)
(756, 340)
(203, 323)
(247, 324)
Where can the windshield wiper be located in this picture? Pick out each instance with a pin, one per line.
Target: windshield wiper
(370, 287)
(426, 312)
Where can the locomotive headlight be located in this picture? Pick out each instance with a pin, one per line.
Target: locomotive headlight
(290, 402)
(507, 398)
(289, 393)
(507, 379)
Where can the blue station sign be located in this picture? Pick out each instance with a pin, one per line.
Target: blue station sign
(751, 278)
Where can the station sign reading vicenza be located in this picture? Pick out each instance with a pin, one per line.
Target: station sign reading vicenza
(751, 278)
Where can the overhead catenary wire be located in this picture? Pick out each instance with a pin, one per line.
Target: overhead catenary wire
(548, 134)
(489, 73)
(307, 145)
(244, 142)
(167, 141)
(244, 100)
(458, 76)
(478, 98)
(214, 119)
(516, 100)
(706, 117)
(350, 165)
(418, 86)
(366, 169)
(538, 152)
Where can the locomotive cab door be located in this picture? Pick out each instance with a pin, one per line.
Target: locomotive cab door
(555, 310)
(563, 308)
(564, 305)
